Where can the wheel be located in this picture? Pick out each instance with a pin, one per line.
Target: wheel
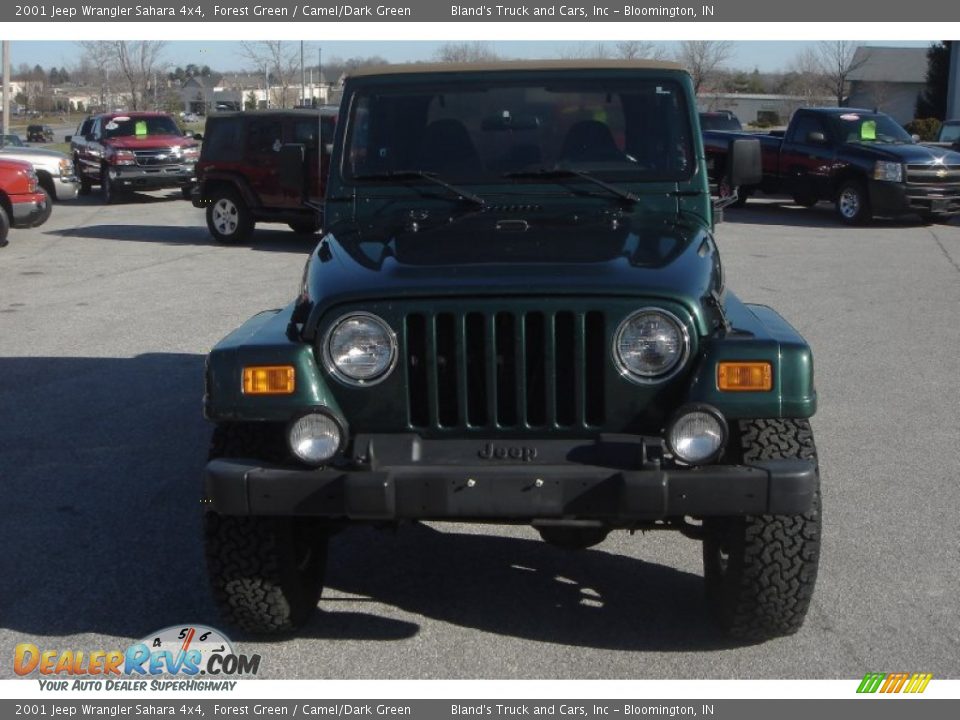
(228, 218)
(85, 185)
(266, 573)
(853, 203)
(4, 227)
(47, 210)
(107, 189)
(760, 571)
(305, 227)
(185, 191)
(807, 201)
(573, 538)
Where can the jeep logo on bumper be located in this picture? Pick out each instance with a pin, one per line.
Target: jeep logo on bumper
(493, 452)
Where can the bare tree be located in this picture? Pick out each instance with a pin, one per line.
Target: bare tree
(703, 59)
(465, 52)
(281, 61)
(138, 61)
(99, 61)
(837, 60)
(639, 50)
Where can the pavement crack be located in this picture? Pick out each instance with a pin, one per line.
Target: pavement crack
(943, 249)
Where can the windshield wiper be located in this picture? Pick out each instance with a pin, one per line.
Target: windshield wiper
(424, 175)
(560, 172)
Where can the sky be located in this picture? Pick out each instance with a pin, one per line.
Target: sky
(226, 56)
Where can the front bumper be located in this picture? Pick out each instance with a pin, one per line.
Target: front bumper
(889, 198)
(30, 210)
(152, 178)
(66, 188)
(615, 484)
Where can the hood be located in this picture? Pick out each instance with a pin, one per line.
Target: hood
(149, 142)
(910, 154)
(525, 251)
(34, 155)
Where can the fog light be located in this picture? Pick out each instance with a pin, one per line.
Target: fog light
(697, 434)
(314, 438)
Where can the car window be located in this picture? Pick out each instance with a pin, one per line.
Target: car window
(264, 136)
(123, 126)
(305, 131)
(804, 125)
(950, 133)
(223, 138)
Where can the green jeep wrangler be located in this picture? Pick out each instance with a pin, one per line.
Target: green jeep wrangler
(516, 314)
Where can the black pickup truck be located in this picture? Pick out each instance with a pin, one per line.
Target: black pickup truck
(861, 160)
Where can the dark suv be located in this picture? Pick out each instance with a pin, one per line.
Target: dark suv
(238, 175)
(39, 133)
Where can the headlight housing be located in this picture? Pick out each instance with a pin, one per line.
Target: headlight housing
(650, 345)
(889, 171)
(360, 349)
(697, 434)
(314, 438)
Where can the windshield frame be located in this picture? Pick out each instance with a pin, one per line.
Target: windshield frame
(612, 83)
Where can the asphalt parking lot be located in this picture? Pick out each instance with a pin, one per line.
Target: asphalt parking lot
(106, 313)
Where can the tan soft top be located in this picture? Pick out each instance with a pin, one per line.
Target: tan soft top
(418, 68)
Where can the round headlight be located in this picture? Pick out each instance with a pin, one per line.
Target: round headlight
(697, 435)
(314, 438)
(360, 349)
(650, 345)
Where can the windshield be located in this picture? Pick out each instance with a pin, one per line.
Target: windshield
(869, 128)
(140, 126)
(11, 141)
(480, 130)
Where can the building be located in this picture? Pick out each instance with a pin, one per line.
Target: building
(888, 79)
(759, 110)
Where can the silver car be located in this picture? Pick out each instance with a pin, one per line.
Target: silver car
(54, 169)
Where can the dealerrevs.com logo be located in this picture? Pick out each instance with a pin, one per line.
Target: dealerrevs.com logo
(180, 657)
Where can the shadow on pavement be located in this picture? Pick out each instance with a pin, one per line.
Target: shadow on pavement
(823, 215)
(102, 526)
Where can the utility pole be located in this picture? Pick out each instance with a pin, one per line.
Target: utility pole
(303, 79)
(6, 87)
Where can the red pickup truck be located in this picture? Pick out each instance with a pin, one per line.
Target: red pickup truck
(134, 150)
(22, 202)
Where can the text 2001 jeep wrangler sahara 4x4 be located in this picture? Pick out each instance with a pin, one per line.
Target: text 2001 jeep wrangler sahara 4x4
(516, 314)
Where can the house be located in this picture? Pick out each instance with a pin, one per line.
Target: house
(760, 110)
(888, 79)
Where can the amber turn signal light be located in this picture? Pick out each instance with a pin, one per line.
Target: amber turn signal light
(744, 376)
(269, 380)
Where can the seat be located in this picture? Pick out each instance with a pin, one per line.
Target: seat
(589, 141)
(446, 148)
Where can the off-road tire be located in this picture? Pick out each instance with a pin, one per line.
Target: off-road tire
(228, 218)
(573, 538)
(108, 190)
(760, 570)
(85, 184)
(853, 203)
(266, 573)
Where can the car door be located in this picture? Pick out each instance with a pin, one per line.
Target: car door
(306, 131)
(807, 157)
(264, 138)
(90, 152)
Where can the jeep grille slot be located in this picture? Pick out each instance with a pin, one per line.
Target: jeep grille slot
(505, 370)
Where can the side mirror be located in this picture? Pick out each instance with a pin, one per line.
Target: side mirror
(744, 163)
(915, 137)
(198, 137)
(816, 138)
(291, 169)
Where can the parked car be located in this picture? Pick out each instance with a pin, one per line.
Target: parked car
(12, 141)
(134, 150)
(861, 160)
(949, 135)
(23, 203)
(55, 171)
(39, 133)
(720, 120)
(238, 175)
(517, 314)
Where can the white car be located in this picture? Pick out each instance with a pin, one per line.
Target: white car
(54, 169)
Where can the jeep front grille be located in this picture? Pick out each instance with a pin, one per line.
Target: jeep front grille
(520, 370)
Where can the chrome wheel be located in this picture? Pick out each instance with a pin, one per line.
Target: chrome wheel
(225, 216)
(849, 203)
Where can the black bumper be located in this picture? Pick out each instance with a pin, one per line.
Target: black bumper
(511, 491)
(887, 198)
